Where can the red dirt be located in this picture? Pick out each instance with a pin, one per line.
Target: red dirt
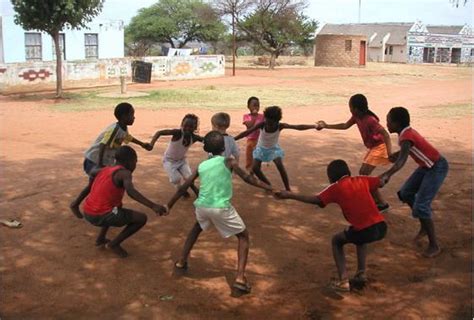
(51, 269)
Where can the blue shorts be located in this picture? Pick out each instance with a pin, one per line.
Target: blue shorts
(268, 154)
(421, 188)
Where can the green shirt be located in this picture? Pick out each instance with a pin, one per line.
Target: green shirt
(215, 189)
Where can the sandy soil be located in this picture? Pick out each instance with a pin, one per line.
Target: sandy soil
(51, 269)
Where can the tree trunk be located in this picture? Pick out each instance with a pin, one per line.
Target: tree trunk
(59, 69)
(272, 63)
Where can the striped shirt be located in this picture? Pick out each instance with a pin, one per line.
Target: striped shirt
(421, 150)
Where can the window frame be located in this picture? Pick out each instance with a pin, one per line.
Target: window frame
(40, 46)
(87, 45)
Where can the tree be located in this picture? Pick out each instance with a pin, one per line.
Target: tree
(276, 24)
(174, 22)
(52, 16)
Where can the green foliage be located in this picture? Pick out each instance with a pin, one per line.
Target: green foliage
(174, 22)
(278, 24)
(52, 16)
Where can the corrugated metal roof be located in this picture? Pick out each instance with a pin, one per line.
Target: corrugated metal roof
(444, 29)
(398, 31)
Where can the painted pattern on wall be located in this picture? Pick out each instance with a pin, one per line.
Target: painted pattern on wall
(32, 75)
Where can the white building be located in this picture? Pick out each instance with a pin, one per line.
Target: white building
(100, 40)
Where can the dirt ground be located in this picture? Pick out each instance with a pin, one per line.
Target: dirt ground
(51, 269)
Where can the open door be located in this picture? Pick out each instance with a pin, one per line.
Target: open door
(362, 56)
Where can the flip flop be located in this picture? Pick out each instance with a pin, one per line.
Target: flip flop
(340, 285)
(243, 288)
(15, 224)
(431, 255)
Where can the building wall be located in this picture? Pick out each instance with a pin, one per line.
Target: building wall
(31, 74)
(330, 50)
(110, 41)
(399, 54)
(1, 42)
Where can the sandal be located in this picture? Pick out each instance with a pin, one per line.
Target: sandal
(15, 224)
(360, 277)
(340, 285)
(180, 271)
(242, 287)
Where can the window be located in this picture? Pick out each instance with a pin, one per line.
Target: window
(472, 52)
(410, 50)
(390, 50)
(33, 46)
(62, 41)
(91, 45)
(348, 45)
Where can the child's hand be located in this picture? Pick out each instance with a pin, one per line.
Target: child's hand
(147, 146)
(320, 125)
(159, 209)
(283, 194)
(393, 157)
(384, 179)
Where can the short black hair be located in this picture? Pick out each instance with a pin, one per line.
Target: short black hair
(221, 120)
(273, 113)
(125, 154)
(337, 169)
(400, 115)
(214, 142)
(250, 100)
(191, 116)
(122, 109)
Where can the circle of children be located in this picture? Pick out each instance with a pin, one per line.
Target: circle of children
(110, 165)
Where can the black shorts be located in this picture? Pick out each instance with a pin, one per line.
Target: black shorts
(373, 233)
(118, 217)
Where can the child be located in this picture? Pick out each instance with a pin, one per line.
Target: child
(353, 195)
(102, 151)
(103, 206)
(213, 205)
(174, 160)
(221, 122)
(375, 137)
(251, 119)
(267, 149)
(421, 187)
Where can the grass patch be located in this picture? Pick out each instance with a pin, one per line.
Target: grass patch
(207, 97)
(457, 111)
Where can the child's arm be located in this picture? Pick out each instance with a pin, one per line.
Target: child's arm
(250, 123)
(125, 177)
(299, 127)
(312, 199)
(339, 126)
(181, 190)
(166, 132)
(248, 178)
(249, 131)
(101, 155)
(74, 206)
(399, 163)
(386, 139)
(144, 145)
(198, 138)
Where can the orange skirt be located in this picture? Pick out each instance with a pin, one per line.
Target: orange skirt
(377, 156)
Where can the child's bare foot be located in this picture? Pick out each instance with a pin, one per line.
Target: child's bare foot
(76, 211)
(117, 249)
(431, 252)
(101, 242)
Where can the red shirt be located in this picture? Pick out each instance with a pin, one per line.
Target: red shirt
(104, 195)
(369, 128)
(353, 195)
(421, 150)
(259, 119)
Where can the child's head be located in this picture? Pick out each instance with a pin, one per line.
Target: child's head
(220, 122)
(190, 123)
(272, 114)
(214, 143)
(398, 119)
(359, 106)
(253, 104)
(337, 169)
(127, 157)
(125, 113)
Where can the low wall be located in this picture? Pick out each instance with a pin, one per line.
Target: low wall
(37, 74)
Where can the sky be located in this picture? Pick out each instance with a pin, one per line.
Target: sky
(440, 12)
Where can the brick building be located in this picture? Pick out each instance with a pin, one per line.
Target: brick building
(340, 50)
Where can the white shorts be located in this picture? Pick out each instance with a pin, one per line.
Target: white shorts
(176, 170)
(226, 220)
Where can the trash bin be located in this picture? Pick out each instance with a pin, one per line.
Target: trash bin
(141, 71)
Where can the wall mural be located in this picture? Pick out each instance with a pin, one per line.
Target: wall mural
(32, 75)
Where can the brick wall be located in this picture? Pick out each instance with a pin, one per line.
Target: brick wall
(331, 50)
